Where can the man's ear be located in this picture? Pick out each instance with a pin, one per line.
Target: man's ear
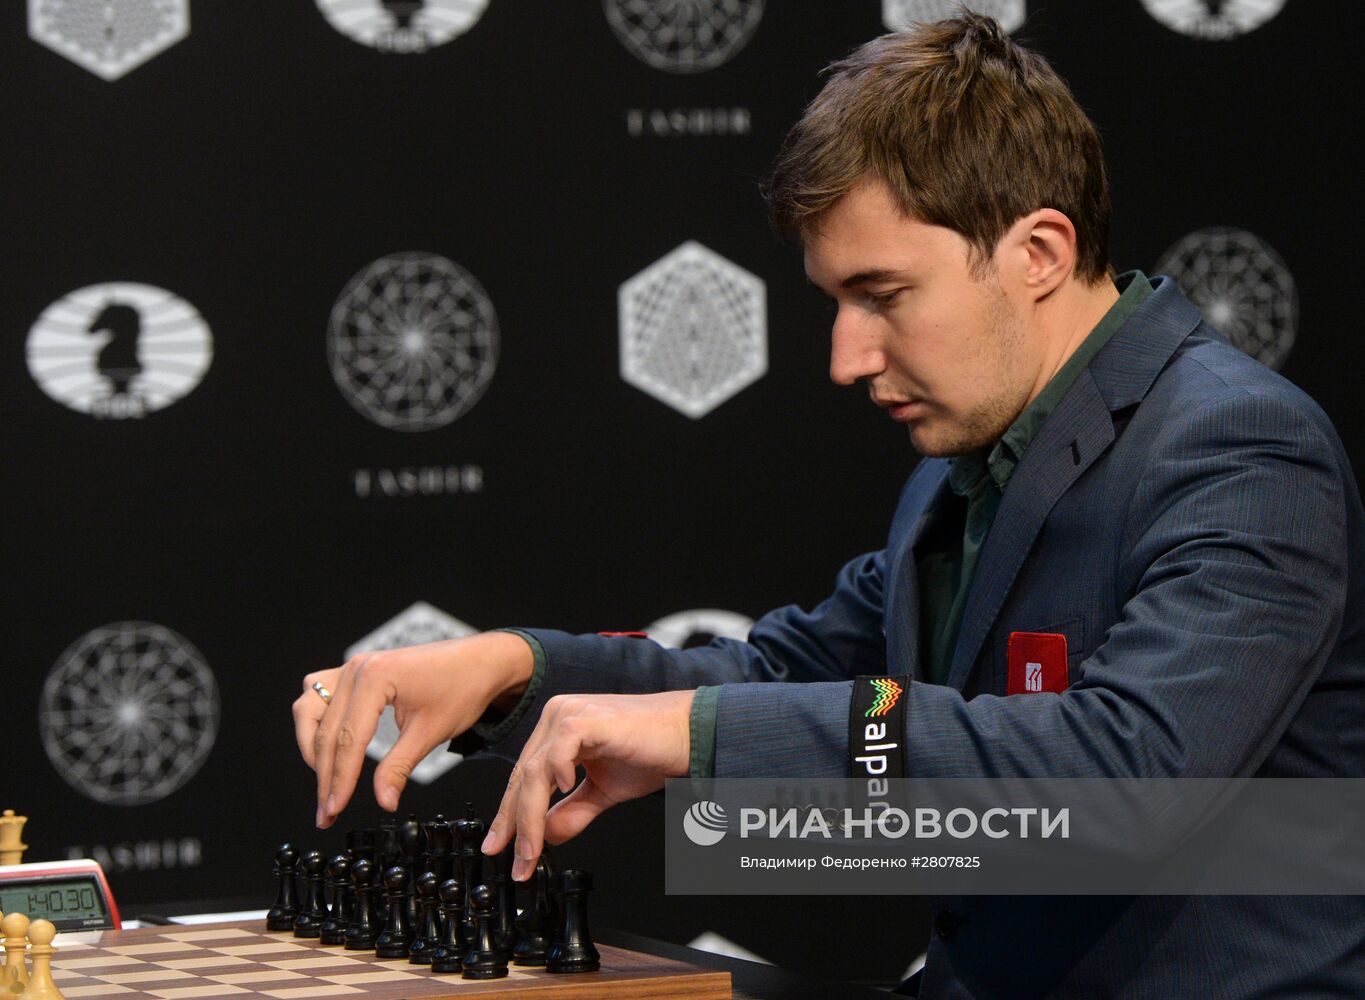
(1043, 248)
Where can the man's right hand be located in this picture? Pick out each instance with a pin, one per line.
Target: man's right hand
(437, 690)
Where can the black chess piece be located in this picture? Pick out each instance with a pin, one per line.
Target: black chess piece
(361, 932)
(484, 960)
(410, 843)
(471, 860)
(440, 843)
(429, 920)
(537, 921)
(313, 911)
(572, 949)
(449, 954)
(499, 879)
(343, 901)
(396, 938)
(282, 915)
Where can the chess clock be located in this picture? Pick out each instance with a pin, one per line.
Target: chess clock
(74, 895)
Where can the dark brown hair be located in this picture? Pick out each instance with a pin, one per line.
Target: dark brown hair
(967, 130)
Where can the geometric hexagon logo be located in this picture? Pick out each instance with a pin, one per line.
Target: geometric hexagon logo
(413, 341)
(901, 15)
(120, 349)
(688, 629)
(129, 713)
(683, 36)
(402, 26)
(108, 37)
(418, 624)
(1214, 20)
(1241, 285)
(694, 329)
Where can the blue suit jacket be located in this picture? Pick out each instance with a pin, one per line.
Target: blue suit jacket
(1189, 520)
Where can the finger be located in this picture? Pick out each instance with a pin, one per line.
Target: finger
(325, 736)
(415, 741)
(309, 708)
(571, 815)
(504, 823)
(543, 773)
(365, 703)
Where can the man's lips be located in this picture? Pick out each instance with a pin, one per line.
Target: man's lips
(899, 409)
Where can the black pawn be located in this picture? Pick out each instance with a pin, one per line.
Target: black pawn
(499, 879)
(573, 950)
(537, 920)
(360, 933)
(396, 938)
(429, 926)
(282, 915)
(308, 924)
(449, 954)
(343, 901)
(484, 960)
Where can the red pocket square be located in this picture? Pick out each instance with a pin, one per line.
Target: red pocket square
(1037, 662)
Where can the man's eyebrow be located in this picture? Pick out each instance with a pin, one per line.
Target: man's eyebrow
(868, 277)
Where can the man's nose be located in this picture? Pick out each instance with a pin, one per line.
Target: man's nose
(855, 351)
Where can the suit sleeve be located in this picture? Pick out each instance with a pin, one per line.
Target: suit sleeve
(1238, 556)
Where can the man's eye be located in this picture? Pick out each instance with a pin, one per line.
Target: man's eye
(883, 299)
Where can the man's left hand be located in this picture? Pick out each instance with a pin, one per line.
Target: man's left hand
(627, 744)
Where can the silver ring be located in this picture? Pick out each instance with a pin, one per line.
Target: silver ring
(323, 693)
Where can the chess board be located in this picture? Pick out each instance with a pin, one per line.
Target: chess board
(243, 960)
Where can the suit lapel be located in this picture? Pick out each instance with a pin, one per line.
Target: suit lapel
(1076, 434)
(902, 584)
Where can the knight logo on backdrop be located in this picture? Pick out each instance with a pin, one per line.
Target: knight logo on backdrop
(419, 623)
(694, 329)
(898, 15)
(684, 36)
(1242, 287)
(1217, 20)
(108, 37)
(413, 341)
(129, 713)
(119, 349)
(402, 25)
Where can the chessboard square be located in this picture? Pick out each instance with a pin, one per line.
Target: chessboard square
(304, 992)
(150, 975)
(217, 934)
(101, 961)
(196, 992)
(155, 948)
(98, 991)
(317, 962)
(259, 976)
(260, 949)
(360, 978)
(202, 962)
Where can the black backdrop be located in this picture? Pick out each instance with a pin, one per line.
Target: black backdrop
(255, 166)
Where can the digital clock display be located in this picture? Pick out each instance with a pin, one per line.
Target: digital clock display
(67, 902)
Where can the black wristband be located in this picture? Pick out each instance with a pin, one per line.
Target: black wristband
(876, 727)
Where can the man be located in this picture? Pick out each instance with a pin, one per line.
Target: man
(1100, 465)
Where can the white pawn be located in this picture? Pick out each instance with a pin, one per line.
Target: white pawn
(40, 984)
(15, 976)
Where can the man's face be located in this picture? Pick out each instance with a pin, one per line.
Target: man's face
(943, 351)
